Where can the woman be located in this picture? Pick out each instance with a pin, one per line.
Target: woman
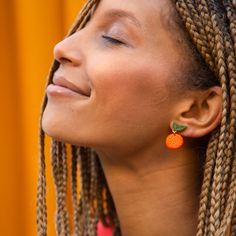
(134, 79)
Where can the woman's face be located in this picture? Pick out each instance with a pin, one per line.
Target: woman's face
(123, 67)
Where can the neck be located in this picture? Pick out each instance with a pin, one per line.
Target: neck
(155, 194)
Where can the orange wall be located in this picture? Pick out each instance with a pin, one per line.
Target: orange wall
(29, 30)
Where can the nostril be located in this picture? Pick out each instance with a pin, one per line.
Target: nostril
(64, 60)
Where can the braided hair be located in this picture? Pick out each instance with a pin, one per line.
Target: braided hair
(209, 30)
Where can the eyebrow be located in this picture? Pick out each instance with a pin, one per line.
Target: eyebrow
(118, 13)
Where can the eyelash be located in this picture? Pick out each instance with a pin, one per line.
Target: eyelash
(112, 40)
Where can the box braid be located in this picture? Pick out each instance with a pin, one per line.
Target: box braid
(211, 28)
(211, 24)
(59, 166)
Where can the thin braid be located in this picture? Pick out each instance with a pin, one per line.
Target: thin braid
(233, 226)
(83, 16)
(41, 188)
(196, 36)
(208, 173)
(214, 220)
(84, 201)
(216, 193)
(89, 216)
(94, 195)
(81, 218)
(85, 177)
(203, 9)
(60, 177)
(231, 14)
(198, 12)
(74, 162)
(223, 47)
(55, 170)
(217, 200)
(232, 118)
(94, 175)
(101, 202)
(202, 20)
(41, 205)
(181, 6)
(230, 203)
(204, 202)
(64, 176)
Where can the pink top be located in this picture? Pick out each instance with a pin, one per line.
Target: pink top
(103, 231)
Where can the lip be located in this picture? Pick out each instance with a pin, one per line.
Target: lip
(59, 91)
(65, 84)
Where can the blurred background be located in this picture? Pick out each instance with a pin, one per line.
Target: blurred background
(29, 30)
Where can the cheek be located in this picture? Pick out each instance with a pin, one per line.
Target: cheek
(130, 92)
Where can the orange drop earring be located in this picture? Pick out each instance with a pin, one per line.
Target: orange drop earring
(174, 140)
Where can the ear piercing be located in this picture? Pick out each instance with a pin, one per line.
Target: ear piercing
(175, 140)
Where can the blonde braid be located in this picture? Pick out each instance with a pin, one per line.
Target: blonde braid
(231, 14)
(83, 17)
(204, 204)
(203, 10)
(218, 186)
(74, 162)
(200, 16)
(85, 177)
(217, 201)
(231, 63)
(64, 177)
(233, 224)
(59, 165)
(41, 189)
(55, 167)
(208, 173)
(41, 206)
(184, 8)
(219, 172)
(94, 190)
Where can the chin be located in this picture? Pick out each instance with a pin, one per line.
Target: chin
(59, 127)
(52, 127)
(59, 134)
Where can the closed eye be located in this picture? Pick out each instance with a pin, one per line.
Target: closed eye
(112, 40)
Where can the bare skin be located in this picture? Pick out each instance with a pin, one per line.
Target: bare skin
(125, 69)
(157, 194)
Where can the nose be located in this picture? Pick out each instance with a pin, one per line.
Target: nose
(67, 51)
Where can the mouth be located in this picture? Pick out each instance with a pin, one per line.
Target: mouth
(62, 82)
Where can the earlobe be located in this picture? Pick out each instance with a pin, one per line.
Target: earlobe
(202, 113)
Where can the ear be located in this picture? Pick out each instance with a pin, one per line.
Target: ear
(200, 111)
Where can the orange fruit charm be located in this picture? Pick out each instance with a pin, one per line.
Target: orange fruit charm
(174, 141)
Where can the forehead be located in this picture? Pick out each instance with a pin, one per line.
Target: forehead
(147, 13)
